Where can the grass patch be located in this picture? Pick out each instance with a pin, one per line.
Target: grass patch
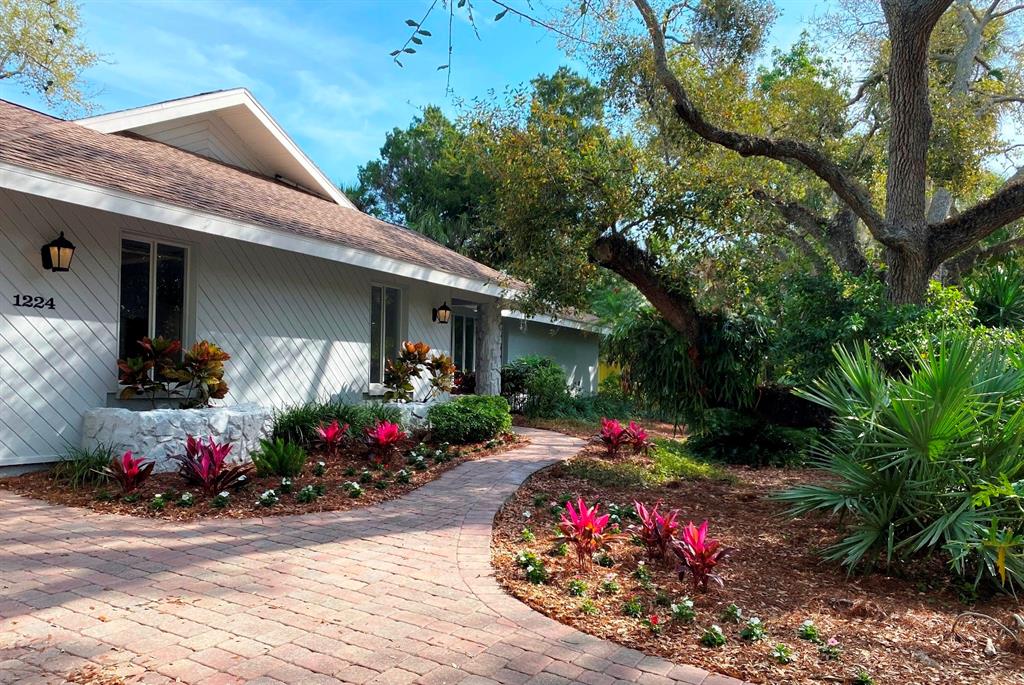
(669, 461)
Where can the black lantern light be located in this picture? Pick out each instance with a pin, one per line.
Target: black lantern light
(442, 314)
(57, 254)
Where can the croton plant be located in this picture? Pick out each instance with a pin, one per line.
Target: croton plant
(412, 362)
(198, 377)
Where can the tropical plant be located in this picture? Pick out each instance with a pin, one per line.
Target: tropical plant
(205, 465)
(656, 529)
(129, 471)
(998, 294)
(583, 528)
(279, 458)
(470, 418)
(441, 368)
(638, 438)
(202, 373)
(699, 555)
(412, 362)
(331, 436)
(300, 423)
(925, 463)
(535, 386)
(81, 467)
(384, 440)
(613, 436)
(148, 374)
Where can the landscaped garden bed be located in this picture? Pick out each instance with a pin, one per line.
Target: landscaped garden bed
(832, 628)
(320, 457)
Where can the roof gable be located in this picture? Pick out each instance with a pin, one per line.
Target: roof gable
(229, 126)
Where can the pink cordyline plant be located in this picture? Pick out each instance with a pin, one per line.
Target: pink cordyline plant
(638, 438)
(205, 464)
(332, 435)
(613, 435)
(699, 555)
(129, 471)
(584, 529)
(656, 529)
(384, 440)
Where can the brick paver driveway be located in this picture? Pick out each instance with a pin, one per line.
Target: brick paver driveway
(397, 593)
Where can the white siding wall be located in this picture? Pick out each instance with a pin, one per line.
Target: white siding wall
(297, 327)
(575, 351)
(207, 135)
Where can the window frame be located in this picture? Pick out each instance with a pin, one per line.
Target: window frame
(459, 363)
(377, 388)
(188, 303)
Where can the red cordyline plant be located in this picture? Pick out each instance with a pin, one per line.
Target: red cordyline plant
(614, 436)
(205, 465)
(656, 529)
(638, 438)
(129, 471)
(699, 555)
(384, 440)
(332, 435)
(584, 529)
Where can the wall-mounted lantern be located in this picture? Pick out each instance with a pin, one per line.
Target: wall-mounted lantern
(442, 314)
(57, 254)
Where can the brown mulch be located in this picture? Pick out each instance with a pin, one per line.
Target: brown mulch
(897, 628)
(244, 501)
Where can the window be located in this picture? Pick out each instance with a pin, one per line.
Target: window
(152, 293)
(464, 342)
(385, 328)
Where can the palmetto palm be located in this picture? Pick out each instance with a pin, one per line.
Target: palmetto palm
(929, 461)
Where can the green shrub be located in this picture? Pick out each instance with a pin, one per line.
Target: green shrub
(470, 418)
(930, 463)
(736, 437)
(279, 458)
(535, 386)
(998, 294)
(81, 467)
(298, 424)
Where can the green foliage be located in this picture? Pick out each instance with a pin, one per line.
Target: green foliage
(470, 418)
(298, 424)
(81, 467)
(632, 608)
(927, 463)
(998, 294)
(713, 637)
(41, 48)
(735, 437)
(533, 566)
(535, 386)
(279, 458)
(670, 460)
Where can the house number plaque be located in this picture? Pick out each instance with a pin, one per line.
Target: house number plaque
(34, 302)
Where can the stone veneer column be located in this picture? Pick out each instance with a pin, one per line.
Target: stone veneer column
(488, 349)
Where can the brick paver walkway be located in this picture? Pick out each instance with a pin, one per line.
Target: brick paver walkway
(397, 593)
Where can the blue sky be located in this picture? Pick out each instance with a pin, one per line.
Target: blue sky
(321, 68)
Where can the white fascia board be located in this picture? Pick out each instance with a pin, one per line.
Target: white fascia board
(47, 185)
(211, 102)
(555, 321)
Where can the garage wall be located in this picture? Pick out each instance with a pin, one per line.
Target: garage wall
(575, 351)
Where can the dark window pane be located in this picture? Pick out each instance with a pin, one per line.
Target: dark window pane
(457, 347)
(169, 316)
(392, 322)
(134, 315)
(470, 344)
(376, 334)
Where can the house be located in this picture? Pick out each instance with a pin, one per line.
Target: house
(199, 218)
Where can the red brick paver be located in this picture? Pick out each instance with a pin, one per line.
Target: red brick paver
(402, 592)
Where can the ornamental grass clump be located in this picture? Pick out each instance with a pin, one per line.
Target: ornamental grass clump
(204, 464)
(583, 528)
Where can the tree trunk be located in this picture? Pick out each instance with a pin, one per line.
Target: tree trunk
(841, 243)
(488, 349)
(907, 276)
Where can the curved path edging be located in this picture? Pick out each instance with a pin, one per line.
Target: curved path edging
(402, 592)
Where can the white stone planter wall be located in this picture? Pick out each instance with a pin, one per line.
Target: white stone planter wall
(159, 433)
(414, 414)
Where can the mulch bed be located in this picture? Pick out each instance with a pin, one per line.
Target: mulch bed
(898, 629)
(243, 503)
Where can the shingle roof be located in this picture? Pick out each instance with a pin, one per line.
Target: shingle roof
(151, 169)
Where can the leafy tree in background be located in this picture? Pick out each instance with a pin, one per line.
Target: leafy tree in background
(41, 48)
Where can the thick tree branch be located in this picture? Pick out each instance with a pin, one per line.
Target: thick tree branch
(854, 194)
(615, 252)
(958, 233)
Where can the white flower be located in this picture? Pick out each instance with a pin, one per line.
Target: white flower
(320, 463)
(808, 623)
(158, 495)
(224, 494)
(754, 621)
(526, 514)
